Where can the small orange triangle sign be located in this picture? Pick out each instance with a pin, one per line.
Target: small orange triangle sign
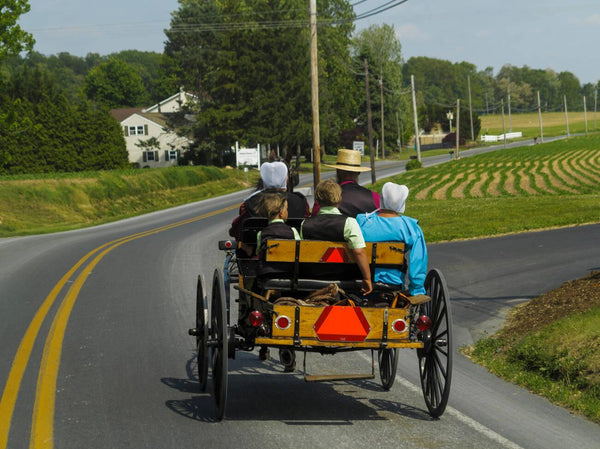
(334, 255)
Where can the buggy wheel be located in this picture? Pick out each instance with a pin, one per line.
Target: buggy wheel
(388, 362)
(435, 358)
(202, 333)
(220, 349)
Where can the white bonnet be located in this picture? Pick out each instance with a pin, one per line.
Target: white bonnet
(274, 175)
(393, 196)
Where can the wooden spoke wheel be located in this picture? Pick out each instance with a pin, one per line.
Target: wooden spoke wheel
(219, 335)
(435, 358)
(388, 363)
(202, 333)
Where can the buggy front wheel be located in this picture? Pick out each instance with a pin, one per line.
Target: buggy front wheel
(388, 363)
(202, 332)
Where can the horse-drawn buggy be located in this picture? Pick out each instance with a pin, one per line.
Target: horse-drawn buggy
(303, 296)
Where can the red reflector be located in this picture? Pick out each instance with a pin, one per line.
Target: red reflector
(424, 323)
(334, 255)
(283, 322)
(256, 318)
(399, 326)
(228, 244)
(339, 323)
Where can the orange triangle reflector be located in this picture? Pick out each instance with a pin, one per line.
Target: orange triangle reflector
(334, 255)
(341, 323)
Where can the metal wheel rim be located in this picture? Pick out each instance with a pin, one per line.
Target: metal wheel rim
(435, 359)
(202, 333)
(388, 363)
(219, 334)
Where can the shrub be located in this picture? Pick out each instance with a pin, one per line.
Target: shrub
(413, 164)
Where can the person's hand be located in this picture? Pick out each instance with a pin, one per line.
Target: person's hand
(367, 287)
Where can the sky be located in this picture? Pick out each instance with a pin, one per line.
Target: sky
(557, 34)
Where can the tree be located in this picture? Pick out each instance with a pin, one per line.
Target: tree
(253, 80)
(13, 39)
(115, 84)
(382, 49)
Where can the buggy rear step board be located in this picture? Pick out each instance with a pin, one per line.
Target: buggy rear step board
(328, 377)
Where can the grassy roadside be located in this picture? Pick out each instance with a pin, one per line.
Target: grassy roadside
(52, 203)
(551, 346)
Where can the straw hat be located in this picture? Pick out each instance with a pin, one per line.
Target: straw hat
(348, 160)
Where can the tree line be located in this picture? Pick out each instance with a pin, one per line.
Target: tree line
(248, 64)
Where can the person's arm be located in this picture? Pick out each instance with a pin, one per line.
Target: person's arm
(236, 225)
(417, 263)
(360, 254)
(353, 235)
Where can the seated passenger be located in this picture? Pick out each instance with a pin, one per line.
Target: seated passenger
(274, 207)
(330, 224)
(387, 224)
(273, 179)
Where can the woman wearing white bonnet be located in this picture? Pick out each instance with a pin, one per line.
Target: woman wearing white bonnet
(274, 178)
(388, 225)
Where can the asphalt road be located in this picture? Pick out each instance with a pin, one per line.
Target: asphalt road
(95, 351)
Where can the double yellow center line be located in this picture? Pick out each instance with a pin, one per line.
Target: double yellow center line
(42, 427)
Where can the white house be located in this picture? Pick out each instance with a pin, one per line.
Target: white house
(140, 126)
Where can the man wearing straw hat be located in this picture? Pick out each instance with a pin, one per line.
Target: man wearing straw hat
(356, 199)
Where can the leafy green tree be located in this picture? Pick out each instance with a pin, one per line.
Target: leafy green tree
(115, 84)
(42, 130)
(382, 49)
(571, 88)
(13, 39)
(249, 64)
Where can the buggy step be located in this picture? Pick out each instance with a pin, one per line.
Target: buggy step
(327, 377)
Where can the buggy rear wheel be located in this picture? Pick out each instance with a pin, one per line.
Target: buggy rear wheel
(435, 358)
(388, 363)
(219, 342)
(202, 333)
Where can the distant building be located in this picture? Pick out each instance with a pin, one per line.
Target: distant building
(149, 126)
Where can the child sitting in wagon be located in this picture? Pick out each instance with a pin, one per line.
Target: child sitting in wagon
(274, 206)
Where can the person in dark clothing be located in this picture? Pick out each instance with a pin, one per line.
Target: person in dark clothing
(331, 225)
(356, 199)
(274, 207)
(274, 177)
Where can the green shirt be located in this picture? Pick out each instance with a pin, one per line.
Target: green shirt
(352, 233)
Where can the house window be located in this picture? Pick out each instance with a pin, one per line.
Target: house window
(150, 156)
(171, 155)
(138, 130)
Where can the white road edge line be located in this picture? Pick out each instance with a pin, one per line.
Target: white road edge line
(458, 415)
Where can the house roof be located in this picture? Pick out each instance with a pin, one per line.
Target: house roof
(180, 96)
(123, 113)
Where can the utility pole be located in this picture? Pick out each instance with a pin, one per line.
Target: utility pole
(373, 177)
(382, 125)
(540, 117)
(314, 78)
(503, 125)
(457, 128)
(399, 140)
(509, 116)
(414, 102)
(585, 114)
(595, 107)
(566, 114)
(470, 107)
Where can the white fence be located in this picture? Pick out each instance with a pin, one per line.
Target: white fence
(488, 138)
